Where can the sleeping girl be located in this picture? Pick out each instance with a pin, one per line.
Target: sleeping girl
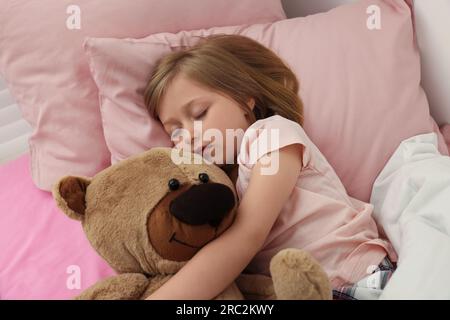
(231, 82)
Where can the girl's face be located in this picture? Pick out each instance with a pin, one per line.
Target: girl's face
(185, 102)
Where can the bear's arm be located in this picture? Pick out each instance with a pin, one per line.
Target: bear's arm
(127, 286)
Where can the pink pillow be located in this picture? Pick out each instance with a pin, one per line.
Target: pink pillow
(44, 66)
(360, 87)
(42, 251)
(445, 130)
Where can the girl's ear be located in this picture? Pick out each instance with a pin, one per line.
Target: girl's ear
(251, 103)
(70, 196)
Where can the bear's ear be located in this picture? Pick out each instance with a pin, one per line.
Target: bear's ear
(70, 195)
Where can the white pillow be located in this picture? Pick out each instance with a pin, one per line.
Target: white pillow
(14, 130)
(432, 20)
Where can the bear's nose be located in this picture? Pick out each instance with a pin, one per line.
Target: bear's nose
(203, 204)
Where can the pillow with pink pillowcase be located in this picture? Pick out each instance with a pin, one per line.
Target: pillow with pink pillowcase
(42, 61)
(360, 87)
(445, 130)
(44, 254)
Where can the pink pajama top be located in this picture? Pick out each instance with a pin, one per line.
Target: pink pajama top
(319, 217)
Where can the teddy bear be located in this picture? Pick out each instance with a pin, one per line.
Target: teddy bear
(149, 214)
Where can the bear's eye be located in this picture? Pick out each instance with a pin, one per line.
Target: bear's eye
(174, 184)
(203, 177)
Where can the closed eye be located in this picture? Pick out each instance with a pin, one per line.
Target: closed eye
(201, 115)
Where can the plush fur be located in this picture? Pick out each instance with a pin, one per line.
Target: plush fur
(147, 216)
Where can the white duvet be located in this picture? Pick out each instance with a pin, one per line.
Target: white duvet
(411, 198)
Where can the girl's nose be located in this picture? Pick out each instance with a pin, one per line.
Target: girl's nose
(190, 129)
(195, 139)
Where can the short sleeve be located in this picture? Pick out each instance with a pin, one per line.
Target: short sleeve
(268, 135)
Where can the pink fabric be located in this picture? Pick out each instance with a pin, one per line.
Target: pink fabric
(46, 70)
(319, 216)
(39, 245)
(445, 130)
(360, 87)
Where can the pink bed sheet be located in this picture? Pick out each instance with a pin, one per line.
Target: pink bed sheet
(43, 254)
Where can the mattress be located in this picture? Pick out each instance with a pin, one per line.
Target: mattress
(14, 130)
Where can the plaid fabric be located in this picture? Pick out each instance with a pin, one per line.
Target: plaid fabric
(370, 287)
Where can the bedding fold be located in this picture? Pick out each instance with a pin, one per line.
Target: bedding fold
(411, 198)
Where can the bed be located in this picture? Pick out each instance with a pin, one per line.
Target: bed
(51, 234)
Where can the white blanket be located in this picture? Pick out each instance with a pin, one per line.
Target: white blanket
(411, 198)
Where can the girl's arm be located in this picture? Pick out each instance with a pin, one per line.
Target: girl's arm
(212, 269)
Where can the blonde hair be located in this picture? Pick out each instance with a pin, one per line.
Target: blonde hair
(235, 65)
